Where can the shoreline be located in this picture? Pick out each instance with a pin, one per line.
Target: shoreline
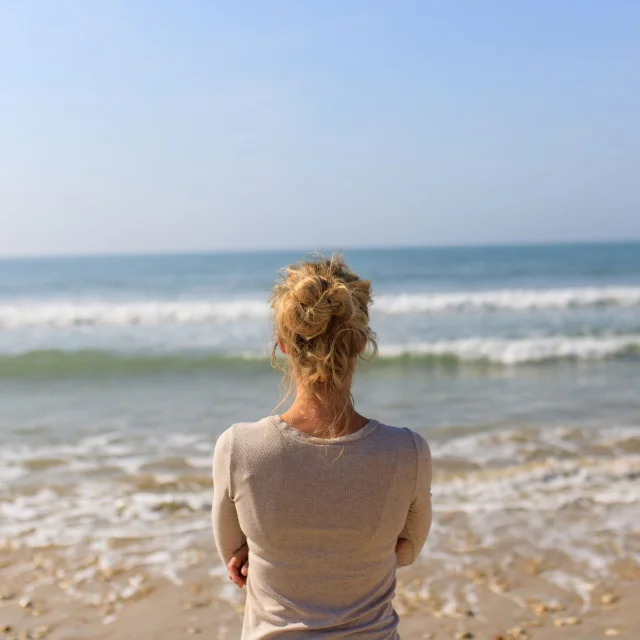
(503, 600)
(532, 529)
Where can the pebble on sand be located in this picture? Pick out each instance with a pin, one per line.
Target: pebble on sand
(609, 598)
(611, 632)
(566, 622)
(542, 608)
(198, 604)
(464, 635)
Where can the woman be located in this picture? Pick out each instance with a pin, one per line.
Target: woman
(321, 503)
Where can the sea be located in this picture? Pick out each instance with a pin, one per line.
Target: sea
(519, 364)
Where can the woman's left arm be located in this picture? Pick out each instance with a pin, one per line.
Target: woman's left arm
(418, 522)
(226, 527)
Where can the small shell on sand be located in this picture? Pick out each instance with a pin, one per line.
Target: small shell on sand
(611, 632)
(41, 632)
(192, 631)
(478, 577)
(566, 622)
(517, 632)
(464, 635)
(499, 585)
(106, 610)
(609, 598)
(542, 608)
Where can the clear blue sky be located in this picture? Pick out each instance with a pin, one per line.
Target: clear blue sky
(131, 125)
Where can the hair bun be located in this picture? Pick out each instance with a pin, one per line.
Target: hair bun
(308, 290)
(322, 318)
(313, 307)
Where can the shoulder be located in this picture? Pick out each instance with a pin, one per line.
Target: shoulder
(242, 437)
(237, 443)
(241, 431)
(402, 436)
(404, 439)
(422, 446)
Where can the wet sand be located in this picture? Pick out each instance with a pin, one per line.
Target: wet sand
(535, 535)
(501, 595)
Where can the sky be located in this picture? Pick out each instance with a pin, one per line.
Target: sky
(149, 126)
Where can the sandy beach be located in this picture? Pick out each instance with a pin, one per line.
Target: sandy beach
(549, 548)
(507, 596)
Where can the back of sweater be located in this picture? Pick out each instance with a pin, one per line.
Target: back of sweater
(321, 519)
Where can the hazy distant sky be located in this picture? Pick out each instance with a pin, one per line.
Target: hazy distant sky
(180, 125)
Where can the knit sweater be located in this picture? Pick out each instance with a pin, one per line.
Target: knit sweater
(321, 518)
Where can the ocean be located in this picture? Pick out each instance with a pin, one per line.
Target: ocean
(519, 364)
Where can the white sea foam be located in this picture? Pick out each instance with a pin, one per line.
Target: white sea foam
(509, 300)
(480, 349)
(70, 313)
(546, 486)
(581, 503)
(99, 313)
(511, 352)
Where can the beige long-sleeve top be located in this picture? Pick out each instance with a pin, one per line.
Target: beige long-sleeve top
(321, 519)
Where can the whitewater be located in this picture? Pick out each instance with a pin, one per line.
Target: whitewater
(69, 313)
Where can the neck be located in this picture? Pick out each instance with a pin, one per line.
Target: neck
(323, 416)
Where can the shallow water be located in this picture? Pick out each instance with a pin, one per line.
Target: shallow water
(521, 367)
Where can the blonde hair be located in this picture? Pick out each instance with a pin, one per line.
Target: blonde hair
(321, 319)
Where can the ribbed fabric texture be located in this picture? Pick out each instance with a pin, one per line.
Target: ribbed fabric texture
(321, 518)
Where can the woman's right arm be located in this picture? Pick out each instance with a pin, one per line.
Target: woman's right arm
(416, 528)
(226, 527)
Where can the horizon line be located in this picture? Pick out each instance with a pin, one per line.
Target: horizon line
(345, 248)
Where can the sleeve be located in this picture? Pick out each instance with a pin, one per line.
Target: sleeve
(416, 528)
(226, 527)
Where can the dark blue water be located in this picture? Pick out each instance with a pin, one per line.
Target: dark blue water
(431, 269)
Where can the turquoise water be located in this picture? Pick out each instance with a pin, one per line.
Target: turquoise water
(520, 365)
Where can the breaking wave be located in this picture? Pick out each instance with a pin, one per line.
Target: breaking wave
(495, 351)
(161, 312)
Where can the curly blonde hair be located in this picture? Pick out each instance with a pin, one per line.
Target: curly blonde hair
(321, 320)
